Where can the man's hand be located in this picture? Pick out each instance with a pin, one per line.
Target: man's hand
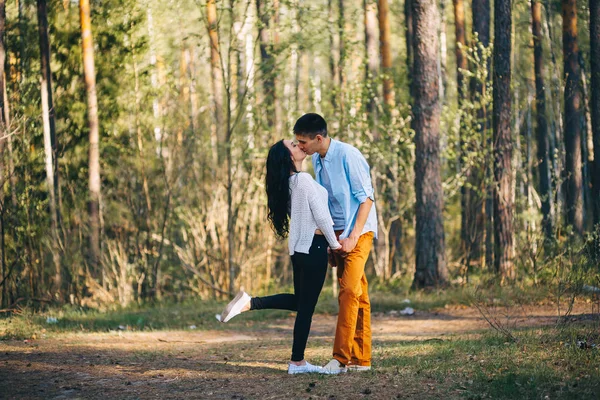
(348, 244)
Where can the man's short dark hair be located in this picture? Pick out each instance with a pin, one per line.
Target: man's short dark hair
(311, 125)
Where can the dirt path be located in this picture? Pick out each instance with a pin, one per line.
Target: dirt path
(247, 361)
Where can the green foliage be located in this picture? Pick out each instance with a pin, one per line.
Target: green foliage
(165, 202)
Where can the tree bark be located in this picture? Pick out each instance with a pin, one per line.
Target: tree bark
(572, 117)
(409, 37)
(586, 145)
(461, 47)
(595, 101)
(372, 58)
(543, 143)
(335, 79)
(481, 38)
(431, 269)
(217, 131)
(469, 231)
(503, 203)
(11, 157)
(267, 66)
(386, 54)
(3, 136)
(342, 61)
(50, 142)
(89, 71)
(371, 51)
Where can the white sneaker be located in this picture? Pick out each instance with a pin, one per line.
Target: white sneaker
(334, 367)
(235, 306)
(307, 368)
(359, 368)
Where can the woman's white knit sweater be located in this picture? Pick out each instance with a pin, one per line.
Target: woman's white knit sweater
(309, 211)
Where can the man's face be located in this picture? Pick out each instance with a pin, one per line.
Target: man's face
(308, 145)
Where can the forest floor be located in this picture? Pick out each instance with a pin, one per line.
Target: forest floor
(447, 353)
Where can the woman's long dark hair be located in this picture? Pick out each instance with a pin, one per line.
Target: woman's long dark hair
(279, 166)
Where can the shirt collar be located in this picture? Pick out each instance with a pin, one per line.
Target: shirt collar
(330, 151)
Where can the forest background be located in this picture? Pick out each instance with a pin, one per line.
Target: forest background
(134, 136)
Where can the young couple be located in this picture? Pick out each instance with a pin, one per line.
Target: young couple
(335, 211)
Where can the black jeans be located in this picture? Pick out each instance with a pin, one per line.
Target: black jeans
(309, 275)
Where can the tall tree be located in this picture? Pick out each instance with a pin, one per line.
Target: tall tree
(3, 174)
(461, 47)
(543, 143)
(572, 117)
(50, 142)
(503, 198)
(216, 76)
(469, 231)
(267, 63)
(89, 71)
(335, 78)
(409, 35)
(481, 38)
(342, 59)
(372, 53)
(431, 268)
(386, 54)
(595, 103)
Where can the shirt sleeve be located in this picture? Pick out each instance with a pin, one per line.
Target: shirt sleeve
(320, 212)
(359, 176)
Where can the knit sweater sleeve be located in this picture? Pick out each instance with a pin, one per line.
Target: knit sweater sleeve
(319, 210)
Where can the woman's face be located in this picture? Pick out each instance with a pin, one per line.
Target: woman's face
(297, 154)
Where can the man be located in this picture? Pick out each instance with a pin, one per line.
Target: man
(344, 172)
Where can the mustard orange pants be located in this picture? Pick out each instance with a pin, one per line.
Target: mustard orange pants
(352, 345)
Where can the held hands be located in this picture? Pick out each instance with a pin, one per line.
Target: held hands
(331, 256)
(348, 245)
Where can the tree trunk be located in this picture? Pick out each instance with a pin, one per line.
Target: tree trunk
(89, 71)
(595, 101)
(503, 204)
(467, 193)
(342, 61)
(23, 58)
(294, 77)
(267, 67)
(154, 79)
(443, 57)
(217, 131)
(461, 47)
(557, 143)
(249, 68)
(372, 56)
(587, 146)
(335, 79)
(3, 133)
(386, 54)
(409, 36)
(543, 146)
(482, 198)
(431, 269)
(573, 101)
(277, 103)
(371, 51)
(50, 142)
(11, 157)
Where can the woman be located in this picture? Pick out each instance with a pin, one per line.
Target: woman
(298, 210)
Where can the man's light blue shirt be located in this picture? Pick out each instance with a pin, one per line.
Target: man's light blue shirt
(350, 180)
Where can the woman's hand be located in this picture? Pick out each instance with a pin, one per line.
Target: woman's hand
(331, 257)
